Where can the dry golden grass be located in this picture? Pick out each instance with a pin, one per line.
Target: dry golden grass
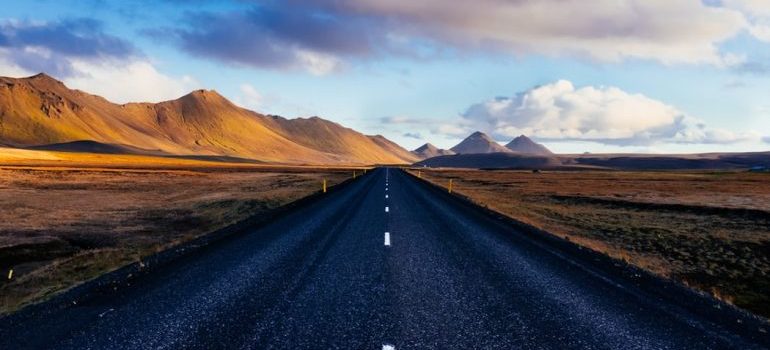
(65, 224)
(710, 230)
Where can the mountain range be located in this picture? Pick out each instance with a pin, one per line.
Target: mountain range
(480, 143)
(41, 112)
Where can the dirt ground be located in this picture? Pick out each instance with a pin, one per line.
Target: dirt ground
(710, 230)
(60, 226)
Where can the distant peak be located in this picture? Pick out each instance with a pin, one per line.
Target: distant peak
(203, 94)
(521, 139)
(524, 144)
(43, 77)
(478, 142)
(479, 135)
(426, 146)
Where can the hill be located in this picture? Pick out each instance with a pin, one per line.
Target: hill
(674, 162)
(428, 151)
(498, 160)
(40, 110)
(525, 145)
(478, 142)
(706, 161)
(94, 147)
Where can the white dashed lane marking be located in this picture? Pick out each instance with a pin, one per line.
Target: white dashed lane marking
(387, 209)
(387, 238)
(388, 347)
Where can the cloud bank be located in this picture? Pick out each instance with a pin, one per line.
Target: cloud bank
(561, 112)
(51, 47)
(320, 36)
(84, 56)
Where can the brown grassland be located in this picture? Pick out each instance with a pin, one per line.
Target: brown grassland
(67, 218)
(709, 230)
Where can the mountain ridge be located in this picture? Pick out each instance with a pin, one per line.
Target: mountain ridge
(40, 110)
(478, 142)
(525, 145)
(428, 150)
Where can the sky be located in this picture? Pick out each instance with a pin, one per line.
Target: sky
(656, 76)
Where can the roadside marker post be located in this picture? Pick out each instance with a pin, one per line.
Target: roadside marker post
(450, 185)
(10, 274)
(419, 174)
(354, 174)
(324, 185)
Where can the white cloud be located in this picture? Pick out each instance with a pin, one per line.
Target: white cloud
(84, 57)
(753, 8)
(317, 63)
(452, 130)
(116, 80)
(609, 115)
(682, 31)
(400, 119)
(132, 81)
(757, 13)
(10, 69)
(249, 98)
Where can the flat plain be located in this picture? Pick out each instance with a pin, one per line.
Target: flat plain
(709, 230)
(66, 218)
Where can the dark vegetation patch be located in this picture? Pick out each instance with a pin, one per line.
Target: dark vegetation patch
(61, 227)
(709, 230)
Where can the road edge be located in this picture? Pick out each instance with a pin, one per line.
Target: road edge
(700, 303)
(125, 275)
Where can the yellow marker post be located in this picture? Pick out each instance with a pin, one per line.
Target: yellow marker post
(324, 185)
(354, 174)
(450, 185)
(419, 174)
(10, 274)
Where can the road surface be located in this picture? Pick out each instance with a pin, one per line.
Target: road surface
(385, 263)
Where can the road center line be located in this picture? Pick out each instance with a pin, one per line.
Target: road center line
(387, 210)
(386, 196)
(387, 239)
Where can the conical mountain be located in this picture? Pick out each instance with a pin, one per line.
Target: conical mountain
(40, 110)
(478, 142)
(428, 150)
(525, 145)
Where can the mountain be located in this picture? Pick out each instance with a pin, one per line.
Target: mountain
(429, 151)
(478, 142)
(525, 145)
(40, 110)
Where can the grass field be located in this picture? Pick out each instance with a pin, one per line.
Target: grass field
(67, 222)
(709, 230)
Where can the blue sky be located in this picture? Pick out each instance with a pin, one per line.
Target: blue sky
(606, 76)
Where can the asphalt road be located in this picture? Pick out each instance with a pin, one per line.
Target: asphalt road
(385, 263)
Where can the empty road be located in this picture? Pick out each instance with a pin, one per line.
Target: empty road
(384, 263)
